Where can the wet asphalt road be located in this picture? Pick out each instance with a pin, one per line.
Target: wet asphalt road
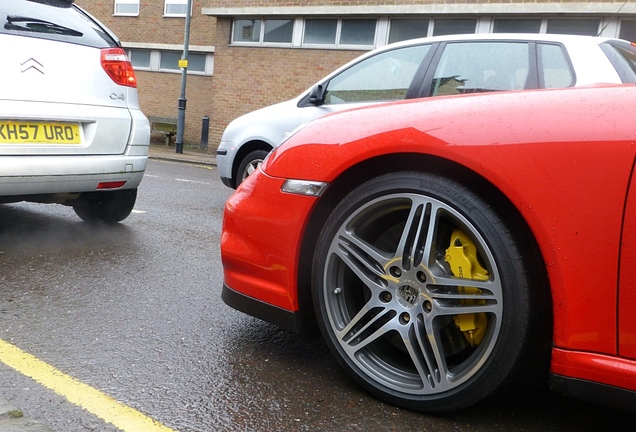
(134, 310)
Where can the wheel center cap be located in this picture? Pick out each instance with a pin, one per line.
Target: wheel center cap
(408, 295)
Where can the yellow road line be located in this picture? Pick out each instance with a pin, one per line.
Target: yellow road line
(92, 400)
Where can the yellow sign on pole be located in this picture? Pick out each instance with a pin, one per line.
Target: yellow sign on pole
(183, 64)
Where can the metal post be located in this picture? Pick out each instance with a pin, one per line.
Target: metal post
(205, 132)
(183, 64)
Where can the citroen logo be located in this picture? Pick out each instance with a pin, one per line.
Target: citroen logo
(32, 64)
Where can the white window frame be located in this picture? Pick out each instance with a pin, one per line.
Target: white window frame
(175, 2)
(379, 25)
(126, 2)
(610, 26)
(261, 36)
(155, 61)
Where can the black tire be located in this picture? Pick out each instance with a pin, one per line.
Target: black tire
(390, 305)
(250, 163)
(108, 207)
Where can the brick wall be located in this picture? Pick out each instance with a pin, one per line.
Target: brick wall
(150, 25)
(159, 91)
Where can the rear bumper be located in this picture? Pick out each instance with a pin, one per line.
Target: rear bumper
(28, 175)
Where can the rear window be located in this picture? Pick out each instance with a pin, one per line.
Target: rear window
(623, 57)
(475, 67)
(57, 20)
(555, 70)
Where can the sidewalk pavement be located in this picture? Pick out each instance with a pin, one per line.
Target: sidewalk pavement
(13, 420)
(189, 155)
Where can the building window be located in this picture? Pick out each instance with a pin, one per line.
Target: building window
(358, 32)
(278, 31)
(628, 30)
(274, 31)
(403, 29)
(168, 61)
(177, 8)
(247, 31)
(367, 33)
(197, 62)
(347, 32)
(517, 26)
(588, 27)
(127, 7)
(443, 27)
(320, 31)
(140, 58)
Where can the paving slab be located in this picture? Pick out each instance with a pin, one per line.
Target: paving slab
(12, 420)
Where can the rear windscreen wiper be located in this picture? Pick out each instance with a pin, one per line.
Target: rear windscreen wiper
(38, 25)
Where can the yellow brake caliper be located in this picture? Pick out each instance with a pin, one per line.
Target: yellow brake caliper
(461, 255)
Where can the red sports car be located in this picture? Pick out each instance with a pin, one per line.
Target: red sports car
(448, 248)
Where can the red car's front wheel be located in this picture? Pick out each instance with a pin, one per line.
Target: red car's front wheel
(424, 292)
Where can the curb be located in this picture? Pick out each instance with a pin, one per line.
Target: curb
(12, 420)
(185, 159)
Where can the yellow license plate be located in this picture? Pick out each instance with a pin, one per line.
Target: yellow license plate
(19, 132)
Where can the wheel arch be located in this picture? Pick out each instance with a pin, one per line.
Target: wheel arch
(364, 171)
(246, 149)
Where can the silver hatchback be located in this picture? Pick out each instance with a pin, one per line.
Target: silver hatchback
(437, 66)
(71, 131)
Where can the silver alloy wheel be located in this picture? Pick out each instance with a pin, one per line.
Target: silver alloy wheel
(392, 300)
(250, 163)
(250, 168)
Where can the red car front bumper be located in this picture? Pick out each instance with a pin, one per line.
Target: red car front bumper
(260, 249)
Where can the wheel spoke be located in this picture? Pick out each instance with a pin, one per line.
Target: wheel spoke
(365, 261)
(451, 298)
(446, 310)
(427, 250)
(372, 254)
(367, 326)
(423, 345)
(411, 245)
(450, 281)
